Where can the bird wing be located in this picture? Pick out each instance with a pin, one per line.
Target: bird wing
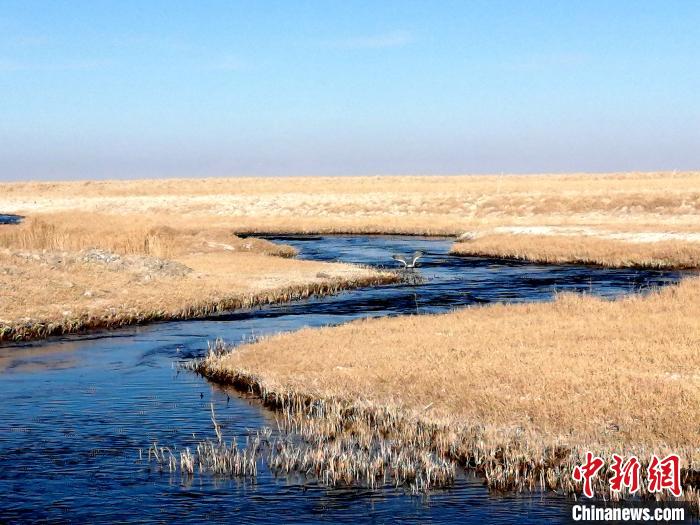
(399, 258)
(416, 256)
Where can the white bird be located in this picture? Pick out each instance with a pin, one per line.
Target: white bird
(406, 262)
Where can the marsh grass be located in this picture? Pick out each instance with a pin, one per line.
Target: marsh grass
(191, 222)
(306, 444)
(67, 273)
(112, 318)
(134, 216)
(579, 249)
(517, 393)
(336, 441)
(431, 205)
(128, 235)
(211, 456)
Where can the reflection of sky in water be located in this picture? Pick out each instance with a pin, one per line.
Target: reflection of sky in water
(76, 410)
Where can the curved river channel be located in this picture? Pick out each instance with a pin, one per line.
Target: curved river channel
(76, 410)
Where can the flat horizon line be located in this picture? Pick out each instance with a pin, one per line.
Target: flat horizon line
(353, 176)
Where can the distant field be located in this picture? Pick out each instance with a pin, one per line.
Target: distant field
(633, 219)
(626, 219)
(420, 205)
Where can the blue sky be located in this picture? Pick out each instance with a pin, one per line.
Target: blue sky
(104, 89)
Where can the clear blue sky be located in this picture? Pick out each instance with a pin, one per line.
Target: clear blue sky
(100, 89)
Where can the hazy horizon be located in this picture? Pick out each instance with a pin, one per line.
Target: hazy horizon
(208, 89)
(127, 178)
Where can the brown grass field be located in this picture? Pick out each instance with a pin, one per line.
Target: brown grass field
(414, 205)
(649, 218)
(518, 391)
(66, 273)
(583, 249)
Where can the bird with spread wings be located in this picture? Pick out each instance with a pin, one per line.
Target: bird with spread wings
(408, 262)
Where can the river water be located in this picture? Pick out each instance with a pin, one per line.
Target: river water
(76, 410)
(10, 219)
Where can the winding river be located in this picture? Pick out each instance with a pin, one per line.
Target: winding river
(76, 410)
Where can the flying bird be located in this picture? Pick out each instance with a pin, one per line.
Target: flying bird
(408, 263)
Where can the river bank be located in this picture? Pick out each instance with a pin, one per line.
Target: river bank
(64, 277)
(626, 249)
(518, 392)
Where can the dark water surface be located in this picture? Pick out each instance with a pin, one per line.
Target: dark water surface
(76, 410)
(10, 219)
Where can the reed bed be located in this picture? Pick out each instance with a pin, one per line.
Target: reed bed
(293, 203)
(518, 393)
(191, 223)
(112, 318)
(305, 444)
(368, 445)
(622, 203)
(127, 235)
(213, 457)
(406, 205)
(581, 249)
(65, 273)
(358, 462)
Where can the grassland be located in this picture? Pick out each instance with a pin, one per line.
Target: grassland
(612, 219)
(634, 219)
(518, 392)
(584, 249)
(70, 272)
(412, 205)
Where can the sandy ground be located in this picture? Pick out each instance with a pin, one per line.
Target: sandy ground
(629, 236)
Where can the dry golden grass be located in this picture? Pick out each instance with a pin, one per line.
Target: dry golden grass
(580, 249)
(569, 369)
(420, 205)
(66, 273)
(127, 235)
(591, 218)
(516, 390)
(630, 208)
